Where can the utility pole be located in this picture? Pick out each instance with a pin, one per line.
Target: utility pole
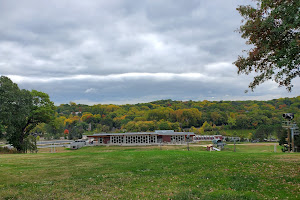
(187, 140)
(234, 146)
(293, 139)
(289, 139)
(160, 145)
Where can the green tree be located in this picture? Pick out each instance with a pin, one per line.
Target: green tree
(231, 122)
(1, 130)
(263, 132)
(206, 126)
(164, 125)
(21, 111)
(55, 128)
(242, 121)
(30, 144)
(273, 29)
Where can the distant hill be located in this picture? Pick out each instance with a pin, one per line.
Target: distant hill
(205, 115)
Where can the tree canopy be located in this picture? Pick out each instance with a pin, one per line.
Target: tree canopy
(273, 30)
(21, 111)
(208, 117)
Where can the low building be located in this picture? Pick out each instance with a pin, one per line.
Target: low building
(232, 139)
(197, 138)
(142, 138)
(77, 144)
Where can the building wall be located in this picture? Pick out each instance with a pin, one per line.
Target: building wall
(139, 139)
(204, 137)
(178, 139)
(166, 138)
(106, 140)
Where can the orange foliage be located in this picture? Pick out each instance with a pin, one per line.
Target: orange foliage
(66, 132)
(282, 106)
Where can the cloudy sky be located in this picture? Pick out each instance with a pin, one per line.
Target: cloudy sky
(127, 51)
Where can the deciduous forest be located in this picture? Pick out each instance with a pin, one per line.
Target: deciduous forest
(246, 119)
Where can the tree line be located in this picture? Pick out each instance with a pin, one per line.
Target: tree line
(24, 113)
(263, 118)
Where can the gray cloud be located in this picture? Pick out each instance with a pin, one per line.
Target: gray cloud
(126, 51)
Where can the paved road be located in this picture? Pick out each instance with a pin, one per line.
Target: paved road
(52, 143)
(49, 146)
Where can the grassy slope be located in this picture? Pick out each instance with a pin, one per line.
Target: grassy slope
(150, 173)
(239, 132)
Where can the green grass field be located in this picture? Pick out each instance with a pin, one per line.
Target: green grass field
(252, 172)
(239, 132)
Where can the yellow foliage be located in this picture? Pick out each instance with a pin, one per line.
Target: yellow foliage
(120, 118)
(68, 121)
(111, 108)
(86, 116)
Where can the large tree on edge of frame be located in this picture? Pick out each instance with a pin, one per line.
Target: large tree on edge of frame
(273, 29)
(21, 111)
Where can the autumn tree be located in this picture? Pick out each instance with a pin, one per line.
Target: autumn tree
(21, 111)
(66, 131)
(159, 114)
(187, 117)
(272, 28)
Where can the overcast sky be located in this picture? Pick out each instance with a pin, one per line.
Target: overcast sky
(127, 51)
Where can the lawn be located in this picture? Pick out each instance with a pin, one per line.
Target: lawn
(168, 172)
(253, 147)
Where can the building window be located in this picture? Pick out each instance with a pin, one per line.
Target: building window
(116, 139)
(177, 138)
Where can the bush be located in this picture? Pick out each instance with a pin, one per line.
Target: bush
(6, 150)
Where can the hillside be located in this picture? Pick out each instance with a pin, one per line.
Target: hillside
(202, 117)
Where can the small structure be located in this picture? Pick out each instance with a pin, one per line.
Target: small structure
(212, 148)
(141, 138)
(232, 139)
(218, 143)
(293, 130)
(77, 144)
